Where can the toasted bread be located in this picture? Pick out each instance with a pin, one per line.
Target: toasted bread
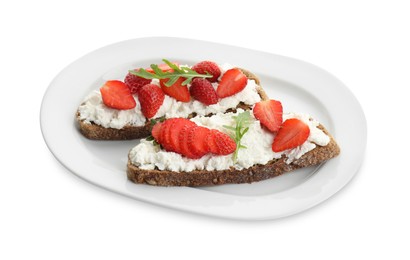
(255, 173)
(128, 132)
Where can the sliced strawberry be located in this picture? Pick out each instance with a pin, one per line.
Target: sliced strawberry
(135, 83)
(210, 141)
(225, 144)
(269, 112)
(156, 131)
(177, 91)
(116, 94)
(220, 143)
(175, 132)
(164, 67)
(183, 141)
(293, 133)
(197, 141)
(165, 135)
(203, 91)
(151, 98)
(210, 67)
(232, 82)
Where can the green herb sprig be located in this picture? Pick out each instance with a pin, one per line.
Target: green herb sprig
(242, 123)
(173, 76)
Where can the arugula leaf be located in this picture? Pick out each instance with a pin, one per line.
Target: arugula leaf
(172, 76)
(242, 123)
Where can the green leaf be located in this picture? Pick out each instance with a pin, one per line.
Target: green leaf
(173, 76)
(171, 81)
(242, 123)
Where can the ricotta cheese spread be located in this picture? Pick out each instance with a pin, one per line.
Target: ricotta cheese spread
(258, 141)
(93, 110)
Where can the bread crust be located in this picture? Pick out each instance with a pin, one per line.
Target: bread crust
(128, 132)
(253, 174)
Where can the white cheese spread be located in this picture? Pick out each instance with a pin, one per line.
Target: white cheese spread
(257, 140)
(93, 110)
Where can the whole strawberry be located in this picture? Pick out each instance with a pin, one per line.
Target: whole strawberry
(203, 91)
(151, 98)
(134, 83)
(208, 66)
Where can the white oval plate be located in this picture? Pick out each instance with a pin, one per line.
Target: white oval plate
(300, 86)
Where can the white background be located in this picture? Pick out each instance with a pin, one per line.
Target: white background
(48, 213)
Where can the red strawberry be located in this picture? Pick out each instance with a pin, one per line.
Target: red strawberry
(175, 131)
(177, 91)
(135, 83)
(232, 82)
(220, 143)
(210, 140)
(269, 112)
(183, 141)
(151, 98)
(116, 94)
(156, 131)
(203, 91)
(197, 141)
(164, 67)
(164, 136)
(208, 66)
(293, 133)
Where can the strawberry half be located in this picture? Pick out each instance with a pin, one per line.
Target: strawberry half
(232, 82)
(269, 112)
(293, 133)
(151, 98)
(177, 91)
(117, 95)
(203, 91)
(210, 67)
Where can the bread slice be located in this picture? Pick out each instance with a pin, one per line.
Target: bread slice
(255, 173)
(129, 132)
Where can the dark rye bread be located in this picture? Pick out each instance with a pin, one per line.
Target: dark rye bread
(253, 174)
(128, 132)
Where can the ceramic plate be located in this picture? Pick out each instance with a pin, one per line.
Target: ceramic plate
(300, 86)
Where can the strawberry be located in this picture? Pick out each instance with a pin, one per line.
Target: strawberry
(232, 82)
(164, 136)
(220, 143)
(156, 131)
(269, 112)
(197, 141)
(151, 98)
(177, 91)
(175, 131)
(116, 94)
(293, 133)
(164, 67)
(203, 91)
(134, 82)
(208, 66)
(210, 140)
(183, 141)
